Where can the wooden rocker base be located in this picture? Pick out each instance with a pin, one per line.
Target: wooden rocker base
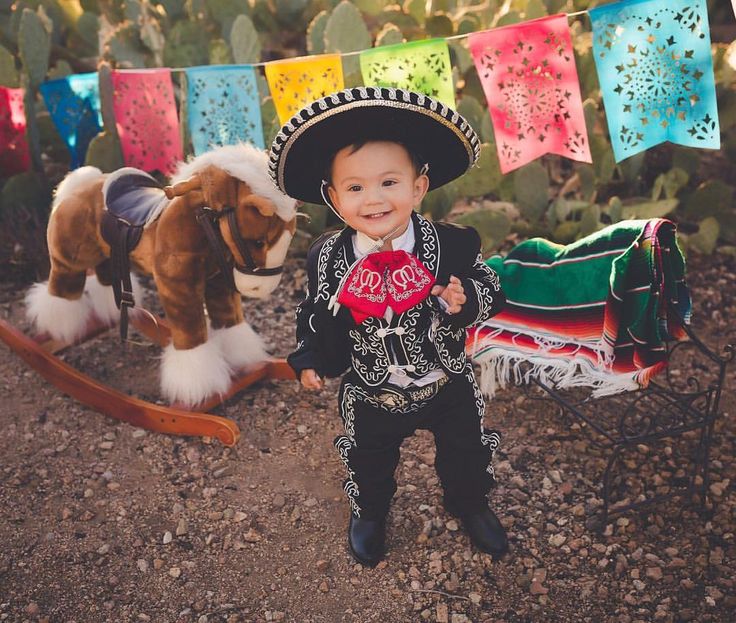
(40, 355)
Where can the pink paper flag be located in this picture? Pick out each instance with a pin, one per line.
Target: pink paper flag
(145, 115)
(531, 84)
(14, 156)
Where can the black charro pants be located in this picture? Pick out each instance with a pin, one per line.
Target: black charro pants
(374, 433)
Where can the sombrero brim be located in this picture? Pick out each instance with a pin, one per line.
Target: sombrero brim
(304, 147)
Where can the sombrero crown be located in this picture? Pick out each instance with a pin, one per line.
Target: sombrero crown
(305, 146)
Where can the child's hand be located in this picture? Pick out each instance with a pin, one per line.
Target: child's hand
(453, 294)
(310, 379)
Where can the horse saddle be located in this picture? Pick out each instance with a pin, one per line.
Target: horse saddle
(134, 196)
(133, 200)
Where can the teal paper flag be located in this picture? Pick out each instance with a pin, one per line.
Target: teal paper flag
(656, 74)
(74, 105)
(223, 107)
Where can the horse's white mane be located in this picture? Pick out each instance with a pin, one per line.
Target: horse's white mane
(247, 163)
(73, 181)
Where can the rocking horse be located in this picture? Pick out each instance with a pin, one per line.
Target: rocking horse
(221, 231)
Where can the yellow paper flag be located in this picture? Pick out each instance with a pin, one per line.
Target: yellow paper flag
(298, 82)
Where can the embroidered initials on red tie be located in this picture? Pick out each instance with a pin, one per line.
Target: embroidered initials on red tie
(395, 279)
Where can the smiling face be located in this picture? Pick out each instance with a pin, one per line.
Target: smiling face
(375, 188)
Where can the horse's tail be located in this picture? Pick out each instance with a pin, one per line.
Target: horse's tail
(72, 182)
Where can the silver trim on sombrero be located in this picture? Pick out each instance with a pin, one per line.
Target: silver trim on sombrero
(346, 100)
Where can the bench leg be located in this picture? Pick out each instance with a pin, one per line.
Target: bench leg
(706, 438)
(606, 486)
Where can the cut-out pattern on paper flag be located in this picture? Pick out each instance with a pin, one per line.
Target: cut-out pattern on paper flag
(531, 84)
(74, 105)
(656, 74)
(420, 66)
(223, 107)
(14, 155)
(296, 83)
(145, 115)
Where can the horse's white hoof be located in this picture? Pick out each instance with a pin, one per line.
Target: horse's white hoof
(102, 299)
(240, 345)
(64, 320)
(192, 376)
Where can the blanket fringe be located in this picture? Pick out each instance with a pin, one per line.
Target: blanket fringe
(603, 348)
(499, 367)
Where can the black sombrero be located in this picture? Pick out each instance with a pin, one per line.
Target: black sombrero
(306, 144)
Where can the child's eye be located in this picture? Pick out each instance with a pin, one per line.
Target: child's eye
(389, 182)
(354, 188)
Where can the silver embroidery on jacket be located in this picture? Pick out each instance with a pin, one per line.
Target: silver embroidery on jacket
(366, 341)
(413, 341)
(488, 437)
(485, 294)
(323, 291)
(443, 335)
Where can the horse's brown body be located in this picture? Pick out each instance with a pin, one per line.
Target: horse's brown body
(232, 182)
(173, 249)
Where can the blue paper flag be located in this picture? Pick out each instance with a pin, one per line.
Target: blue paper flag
(74, 105)
(656, 74)
(223, 107)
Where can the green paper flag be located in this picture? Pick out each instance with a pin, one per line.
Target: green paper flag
(421, 66)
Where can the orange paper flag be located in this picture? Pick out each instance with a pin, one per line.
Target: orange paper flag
(297, 82)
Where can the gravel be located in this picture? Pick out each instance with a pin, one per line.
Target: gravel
(106, 522)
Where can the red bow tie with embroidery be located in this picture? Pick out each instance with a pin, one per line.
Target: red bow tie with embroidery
(395, 279)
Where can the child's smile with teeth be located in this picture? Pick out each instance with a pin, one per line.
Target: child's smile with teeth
(375, 188)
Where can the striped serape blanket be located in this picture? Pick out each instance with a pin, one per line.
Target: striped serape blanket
(595, 313)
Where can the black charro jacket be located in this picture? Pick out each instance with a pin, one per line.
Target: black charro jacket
(431, 339)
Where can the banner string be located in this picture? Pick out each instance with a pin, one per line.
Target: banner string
(355, 53)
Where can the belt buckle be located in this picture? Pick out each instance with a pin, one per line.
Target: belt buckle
(389, 398)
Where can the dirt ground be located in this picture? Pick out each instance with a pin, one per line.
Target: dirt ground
(100, 521)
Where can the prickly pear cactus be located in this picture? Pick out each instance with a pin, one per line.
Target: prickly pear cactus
(34, 45)
(346, 31)
(8, 73)
(187, 45)
(104, 151)
(244, 41)
(552, 196)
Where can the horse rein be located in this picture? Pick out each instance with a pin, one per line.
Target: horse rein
(207, 219)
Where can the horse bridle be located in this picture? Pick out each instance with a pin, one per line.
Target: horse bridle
(207, 219)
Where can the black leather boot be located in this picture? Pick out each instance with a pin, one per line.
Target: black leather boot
(366, 539)
(486, 532)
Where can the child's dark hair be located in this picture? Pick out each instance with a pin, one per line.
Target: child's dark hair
(416, 159)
